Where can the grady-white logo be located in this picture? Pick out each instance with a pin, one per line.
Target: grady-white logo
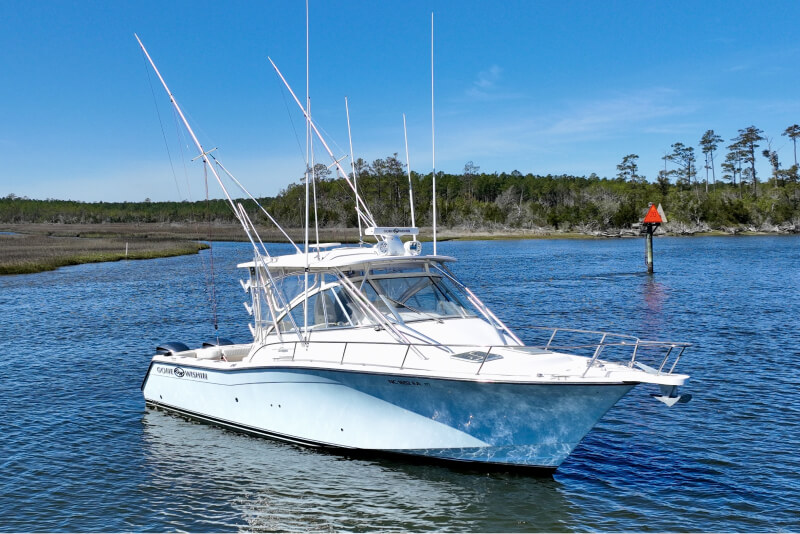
(179, 372)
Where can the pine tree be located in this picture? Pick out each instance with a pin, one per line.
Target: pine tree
(793, 132)
(748, 140)
(683, 157)
(709, 142)
(629, 170)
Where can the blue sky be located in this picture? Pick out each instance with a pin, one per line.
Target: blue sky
(542, 87)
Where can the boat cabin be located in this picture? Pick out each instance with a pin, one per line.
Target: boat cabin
(351, 287)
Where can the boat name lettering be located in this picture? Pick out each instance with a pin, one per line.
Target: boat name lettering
(408, 382)
(180, 372)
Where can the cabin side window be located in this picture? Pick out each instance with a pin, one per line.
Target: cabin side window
(325, 309)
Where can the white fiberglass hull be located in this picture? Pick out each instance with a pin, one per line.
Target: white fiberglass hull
(515, 424)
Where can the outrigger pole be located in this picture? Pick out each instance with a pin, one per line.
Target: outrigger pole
(353, 165)
(203, 153)
(241, 216)
(263, 210)
(204, 157)
(364, 212)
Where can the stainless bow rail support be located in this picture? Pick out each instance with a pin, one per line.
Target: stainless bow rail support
(597, 352)
(485, 357)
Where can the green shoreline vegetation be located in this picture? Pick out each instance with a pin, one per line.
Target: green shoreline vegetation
(727, 199)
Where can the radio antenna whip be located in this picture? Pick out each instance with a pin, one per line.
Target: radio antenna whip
(408, 167)
(433, 144)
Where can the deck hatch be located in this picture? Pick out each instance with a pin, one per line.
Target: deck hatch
(476, 356)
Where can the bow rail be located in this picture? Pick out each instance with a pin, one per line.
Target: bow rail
(662, 355)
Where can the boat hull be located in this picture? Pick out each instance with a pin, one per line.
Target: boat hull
(483, 422)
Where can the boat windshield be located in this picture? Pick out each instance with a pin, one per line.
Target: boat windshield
(415, 296)
(401, 294)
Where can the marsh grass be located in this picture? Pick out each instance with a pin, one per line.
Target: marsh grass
(269, 234)
(39, 247)
(178, 231)
(47, 246)
(31, 253)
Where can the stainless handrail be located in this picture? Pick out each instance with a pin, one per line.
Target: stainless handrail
(629, 341)
(677, 359)
(597, 352)
(485, 357)
(635, 342)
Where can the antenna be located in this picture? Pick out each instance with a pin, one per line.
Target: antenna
(433, 144)
(307, 113)
(408, 167)
(314, 186)
(353, 165)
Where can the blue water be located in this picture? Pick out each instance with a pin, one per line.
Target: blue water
(81, 453)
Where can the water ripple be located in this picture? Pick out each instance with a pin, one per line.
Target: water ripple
(80, 452)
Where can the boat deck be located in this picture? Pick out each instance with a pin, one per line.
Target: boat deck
(522, 364)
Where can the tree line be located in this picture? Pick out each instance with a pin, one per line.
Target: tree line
(740, 161)
(725, 195)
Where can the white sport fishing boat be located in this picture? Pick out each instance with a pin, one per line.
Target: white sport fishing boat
(381, 349)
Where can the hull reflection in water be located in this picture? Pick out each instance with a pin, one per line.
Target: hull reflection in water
(263, 485)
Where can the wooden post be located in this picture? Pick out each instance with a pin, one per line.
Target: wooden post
(652, 220)
(648, 247)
